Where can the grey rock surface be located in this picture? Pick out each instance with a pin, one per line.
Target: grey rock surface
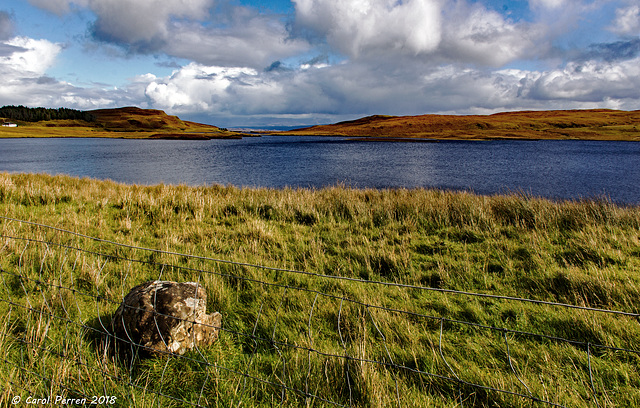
(164, 316)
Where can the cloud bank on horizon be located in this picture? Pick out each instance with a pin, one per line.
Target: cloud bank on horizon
(253, 63)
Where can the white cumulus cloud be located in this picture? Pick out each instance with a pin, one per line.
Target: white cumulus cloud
(591, 81)
(358, 89)
(424, 30)
(627, 20)
(24, 66)
(29, 58)
(478, 35)
(196, 87)
(363, 27)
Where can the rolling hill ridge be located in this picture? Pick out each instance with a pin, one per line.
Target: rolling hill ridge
(597, 124)
(128, 122)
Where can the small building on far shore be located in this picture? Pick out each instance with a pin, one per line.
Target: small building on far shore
(9, 124)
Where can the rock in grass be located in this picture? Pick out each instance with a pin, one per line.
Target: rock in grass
(166, 317)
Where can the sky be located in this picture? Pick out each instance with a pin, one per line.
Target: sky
(252, 63)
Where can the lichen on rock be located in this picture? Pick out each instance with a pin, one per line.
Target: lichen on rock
(166, 317)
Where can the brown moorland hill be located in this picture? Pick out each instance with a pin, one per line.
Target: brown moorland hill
(138, 119)
(596, 124)
(128, 122)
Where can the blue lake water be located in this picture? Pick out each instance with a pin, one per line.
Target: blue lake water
(554, 169)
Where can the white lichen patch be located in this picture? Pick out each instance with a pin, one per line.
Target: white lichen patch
(166, 316)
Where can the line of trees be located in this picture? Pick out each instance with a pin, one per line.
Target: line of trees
(26, 114)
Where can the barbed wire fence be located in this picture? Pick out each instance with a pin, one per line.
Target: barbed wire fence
(288, 337)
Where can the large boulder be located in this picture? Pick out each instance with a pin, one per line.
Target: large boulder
(166, 317)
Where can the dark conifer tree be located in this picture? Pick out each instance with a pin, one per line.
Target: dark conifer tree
(25, 114)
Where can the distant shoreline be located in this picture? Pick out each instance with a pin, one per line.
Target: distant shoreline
(92, 134)
(136, 123)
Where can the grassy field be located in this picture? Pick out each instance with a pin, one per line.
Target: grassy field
(289, 332)
(61, 129)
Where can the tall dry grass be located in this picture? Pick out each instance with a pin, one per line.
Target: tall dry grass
(585, 253)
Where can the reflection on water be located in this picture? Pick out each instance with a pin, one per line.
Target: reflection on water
(557, 169)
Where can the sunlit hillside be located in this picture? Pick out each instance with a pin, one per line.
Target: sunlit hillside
(600, 124)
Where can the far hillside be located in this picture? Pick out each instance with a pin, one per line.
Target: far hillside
(137, 119)
(130, 122)
(600, 124)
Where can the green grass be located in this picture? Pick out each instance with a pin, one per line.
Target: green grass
(583, 253)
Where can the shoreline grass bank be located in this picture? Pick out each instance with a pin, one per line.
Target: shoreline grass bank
(582, 253)
(41, 131)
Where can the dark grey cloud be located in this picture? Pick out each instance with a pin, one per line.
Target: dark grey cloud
(6, 49)
(150, 45)
(245, 39)
(46, 80)
(277, 66)
(322, 59)
(615, 51)
(6, 26)
(168, 64)
(227, 36)
(141, 26)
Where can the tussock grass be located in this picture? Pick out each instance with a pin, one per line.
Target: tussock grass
(585, 253)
